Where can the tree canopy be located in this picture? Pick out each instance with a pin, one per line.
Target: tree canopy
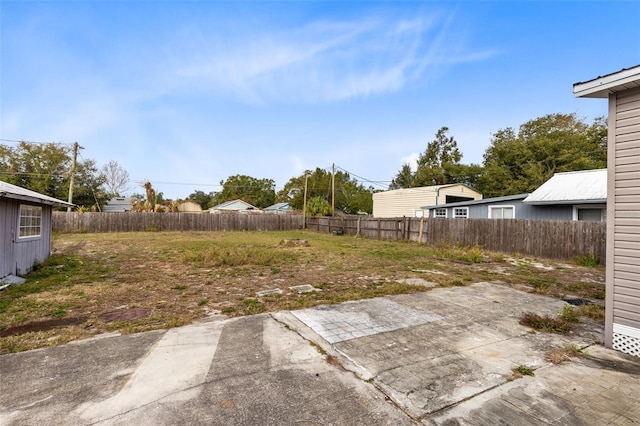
(520, 161)
(46, 168)
(205, 200)
(351, 196)
(258, 192)
(439, 164)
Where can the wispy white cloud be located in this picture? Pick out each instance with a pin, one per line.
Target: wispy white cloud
(324, 61)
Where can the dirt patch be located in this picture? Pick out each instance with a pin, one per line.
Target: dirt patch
(139, 281)
(124, 315)
(42, 326)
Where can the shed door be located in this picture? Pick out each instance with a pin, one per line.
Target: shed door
(8, 227)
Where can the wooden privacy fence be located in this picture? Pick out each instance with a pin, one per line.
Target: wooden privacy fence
(541, 238)
(130, 222)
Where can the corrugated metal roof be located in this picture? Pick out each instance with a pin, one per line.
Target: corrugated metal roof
(586, 186)
(8, 190)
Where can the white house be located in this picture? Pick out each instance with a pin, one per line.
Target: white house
(233, 206)
(622, 317)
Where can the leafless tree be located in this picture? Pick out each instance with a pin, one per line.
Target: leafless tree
(116, 179)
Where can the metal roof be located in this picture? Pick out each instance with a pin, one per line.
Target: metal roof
(601, 87)
(586, 186)
(477, 202)
(234, 205)
(14, 192)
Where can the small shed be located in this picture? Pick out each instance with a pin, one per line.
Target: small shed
(25, 228)
(278, 208)
(622, 317)
(408, 202)
(233, 206)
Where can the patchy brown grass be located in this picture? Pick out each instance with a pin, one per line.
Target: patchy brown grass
(95, 281)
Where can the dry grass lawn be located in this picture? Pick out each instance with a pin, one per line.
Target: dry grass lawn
(132, 282)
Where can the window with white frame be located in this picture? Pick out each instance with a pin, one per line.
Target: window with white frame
(502, 212)
(30, 221)
(461, 212)
(440, 213)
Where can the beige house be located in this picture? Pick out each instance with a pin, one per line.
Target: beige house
(409, 202)
(622, 89)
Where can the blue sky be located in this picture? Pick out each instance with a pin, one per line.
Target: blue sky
(192, 92)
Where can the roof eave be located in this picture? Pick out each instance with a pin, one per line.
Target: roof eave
(566, 202)
(601, 87)
(20, 197)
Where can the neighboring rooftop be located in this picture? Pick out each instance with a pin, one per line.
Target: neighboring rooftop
(586, 186)
(14, 192)
(477, 202)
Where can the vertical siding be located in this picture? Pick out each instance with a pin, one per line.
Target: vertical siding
(8, 225)
(29, 250)
(624, 195)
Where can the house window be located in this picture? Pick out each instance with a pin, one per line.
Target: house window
(594, 215)
(30, 221)
(461, 212)
(440, 213)
(501, 212)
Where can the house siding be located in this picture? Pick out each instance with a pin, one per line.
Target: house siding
(522, 210)
(405, 202)
(8, 225)
(623, 280)
(20, 254)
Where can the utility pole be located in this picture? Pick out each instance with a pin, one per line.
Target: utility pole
(304, 204)
(333, 189)
(76, 147)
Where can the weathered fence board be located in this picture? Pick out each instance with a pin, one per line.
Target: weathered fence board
(129, 222)
(550, 239)
(541, 238)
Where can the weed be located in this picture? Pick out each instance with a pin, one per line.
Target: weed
(370, 380)
(179, 287)
(522, 370)
(58, 312)
(228, 310)
(253, 306)
(457, 282)
(569, 313)
(558, 356)
(590, 260)
(595, 312)
(202, 302)
(546, 323)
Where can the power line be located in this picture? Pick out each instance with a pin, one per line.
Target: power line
(35, 142)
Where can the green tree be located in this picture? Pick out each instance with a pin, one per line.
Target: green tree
(519, 162)
(205, 200)
(439, 164)
(403, 179)
(318, 206)
(46, 168)
(258, 192)
(351, 196)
